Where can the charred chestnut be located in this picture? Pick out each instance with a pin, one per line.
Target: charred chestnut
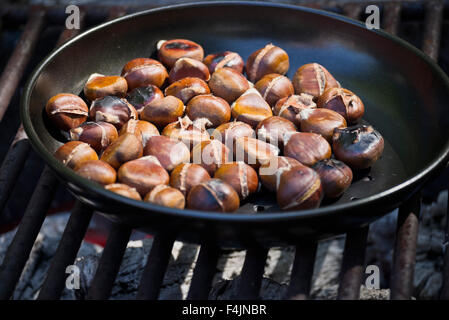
(74, 153)
(99, 86)
(163, 111)
(270, 59)
(213, 195)
(242, 177)
(166, 196)
(143, 130)
(144, 72)
(187, 67)
(210, 155)
(343, 101)
(116, 111)
(125, 148)
(189, 132)
(99, 135)
(187, 175)
(141, 96)
(273, 129)
(187, 88)
(228, 84)
(321, 121)
(306, 147)
(313, 79)
(251, 108)
(209, 107)
(226, 59)
(271, 171)
(169, 152)
(273, 87)
(289, 107)
(253, 151)
(169, 51)
(98, 171)
(124, 190)
(66, 111)
(335, 176)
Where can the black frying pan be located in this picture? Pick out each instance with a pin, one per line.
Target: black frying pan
(404, 92)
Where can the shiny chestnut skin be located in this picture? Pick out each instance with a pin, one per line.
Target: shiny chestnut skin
(166, 196)
(99, 135)
(269, 59)
(143, 174)
(97, 171)
(289, 107)
(66, 111)
(273, 129)
(210, 107)
(143, 130)
(144, 72)
(125, 148)
(74, 153)
(124, 190)
(273, 87)
(251, 108)
(228, 84)
(213, 195)
(187, 175)
(170, 51)
(299, 188)
(343, 101)
(189, 132)
(227, 133)
(271, 171)
(163, 111)
(187, 67)
(358, 146)
(321, 121)
(307, 147)
(253, 151)
(116, 111)
(242, 177)
(313, 79)
(141, 96)
(99, 86)
(210, 155)
(335, 176)
(187, 88)
(169, 152)
(226, 59)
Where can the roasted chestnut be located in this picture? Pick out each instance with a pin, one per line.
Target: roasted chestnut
(228, 84)
(207, 106)
(144, 72)
(187, 67)
(321, 121)
(72, 154)
(124, 190)
(358, 146)
(306, 147)
(313, 79)
(171, 50)
(166, 196)
(273, 129)
(344, 102)
(271, 171)
(253, 151)
(98, 171)
(270, 59)
(99, 86)
(189, 132)
(242, 177)
(66, 111)
(299, 188)
(289, 107)
(227, 133)
(169, 152)
(187, 88)
(213, 195)
(141, 96)
(251, 108)
(125, 148)
(335, 176)
(143, 174)
(226, 59)
(99, 135)
(163, 111)
(273, 87)
(143, 130)
(210, 155)
(187, 175)
(116, 111)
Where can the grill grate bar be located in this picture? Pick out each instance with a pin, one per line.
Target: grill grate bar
(432, 30)
(392, 17)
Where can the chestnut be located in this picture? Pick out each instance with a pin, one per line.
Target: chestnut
(271, 171)
(143, 174)
(98, 86)
(99, 135)
(321, 121)
(299, 188)
(306, 147)
(273, 87)
(273, 129)
(144, 72)
(187, 88)
(228, 84)
(335, 176)
(313, 79)
(125, 148)
(251, 108)
(207, 106)
(66, 111)
(169, 152)
(189, 132)
(163, 111)
(141, 96)
(116, 111)
(344, 102)
(253, 151)
(242, 177)
(187, 175)
(358, 146)
(97, 171)
(289, 107)
(210, 155)
(169, 51)
(166, 196)
(213, 195)
(74, 153)
(227, 133)
(124, 190)
(270, 59)
(187, 67)
(226, 59)
(143, 130)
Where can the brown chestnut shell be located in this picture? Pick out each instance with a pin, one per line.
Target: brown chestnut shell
(169, 152)
(215, 109)
(271, 171)
(227, 133)
(313, 79)
(187, 88)
(66, 111)
(210, 155)
(242, 177)
(124, 190)
(321, 121)
(335, 176)
(270, 59)
(166, 196)
(273, 129)
(163, 111)
(289, 107)
(97, 171)
(273, 87)
(116, 111)
(253, 151)
(307, 147)
(99, 135)
(251, 108)
(213, 195)
(187, 175)
(226, 59)
(228, 84)
(170, 51)
(141, 96)
(74, 153)
(143, 130)
(141, 72)
(189, 132)
(343, 101)
(99, 86)
(125, 148)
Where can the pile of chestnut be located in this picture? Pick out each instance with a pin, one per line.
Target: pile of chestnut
(192, 131)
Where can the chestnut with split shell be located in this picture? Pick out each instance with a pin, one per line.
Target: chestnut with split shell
(97, 171)
(273, 87)
(213, 195)
(169, 152)
(66, 111)
(254, 152)
(228, 84)
(187, 175)
(187, 88)
(125, 148)
(306, 147)
(242, 177)
(227, 133)
(166, 196)
(271, 171)
(336, 177)
(187, 67)
(143, 130)
(343, 101)
(269, 59)
(144, 72)
(189, 132)
(226, 59)
(273, 129)
(289, 107)
(215, 109)
(124, 190)
(73, 153)
(115, 110)
(321, 121)
(99, 135)
(141, 96)
(99, 86)
(313, 79)
(210, 155)
(169, 51)
(163, 111)
(251, 108)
